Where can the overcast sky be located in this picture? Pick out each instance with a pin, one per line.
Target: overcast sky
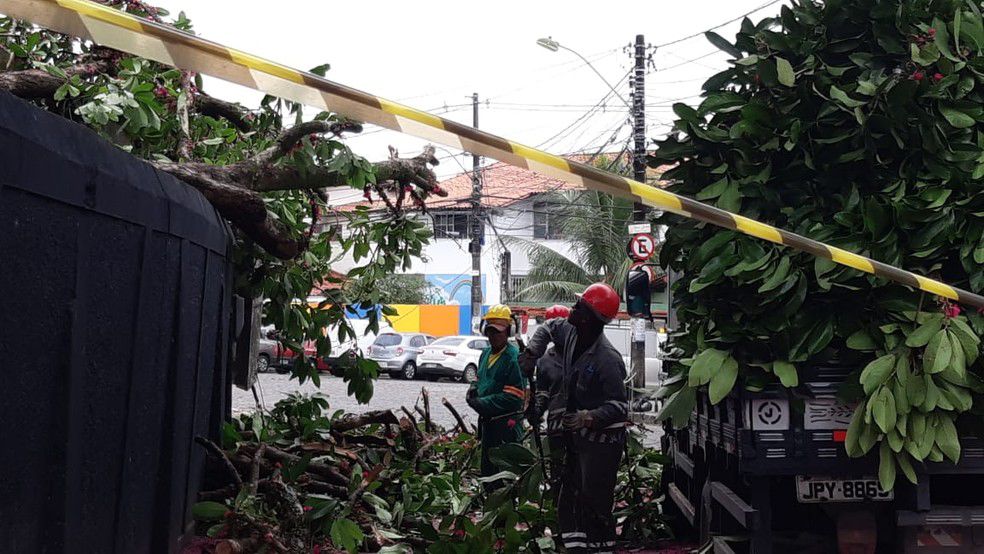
(433, 55)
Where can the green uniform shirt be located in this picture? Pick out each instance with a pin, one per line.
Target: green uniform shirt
(501, 389)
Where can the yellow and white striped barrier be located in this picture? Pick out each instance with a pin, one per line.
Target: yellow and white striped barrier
(140, 37)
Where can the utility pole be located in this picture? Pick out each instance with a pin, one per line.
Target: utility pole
(476, 228)
(638, 352)
(506, 287)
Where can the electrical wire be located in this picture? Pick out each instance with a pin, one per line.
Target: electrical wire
(718, 26)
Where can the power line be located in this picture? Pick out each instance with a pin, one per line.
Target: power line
(691, 60)
(718, 26)
(583, 117)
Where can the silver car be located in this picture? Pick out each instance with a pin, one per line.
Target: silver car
(396, 353)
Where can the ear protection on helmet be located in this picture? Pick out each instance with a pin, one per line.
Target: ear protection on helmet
(482, 325)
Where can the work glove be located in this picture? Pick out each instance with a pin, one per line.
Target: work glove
(471, 397)
(580, 419)
(527, 363)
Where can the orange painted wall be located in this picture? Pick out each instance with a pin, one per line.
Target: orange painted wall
(439, 321)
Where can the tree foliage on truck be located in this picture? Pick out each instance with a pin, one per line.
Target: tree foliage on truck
(860, 124)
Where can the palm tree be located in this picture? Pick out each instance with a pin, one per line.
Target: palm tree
(594, 224)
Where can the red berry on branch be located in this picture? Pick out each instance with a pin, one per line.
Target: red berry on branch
(917, 76)
(937, 77)
(931, 32)
(308, 508)
(365, 475)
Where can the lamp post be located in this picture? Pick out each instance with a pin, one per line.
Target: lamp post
(552, 45)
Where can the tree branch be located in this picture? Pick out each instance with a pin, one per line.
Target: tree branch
(217, 452)
(33, 84)
(186, 145)
(213, 107)
(290, 137)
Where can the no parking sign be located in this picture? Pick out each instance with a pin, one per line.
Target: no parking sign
(641, 247)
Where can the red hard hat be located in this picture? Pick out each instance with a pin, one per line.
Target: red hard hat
(556, 311)
(603, 299)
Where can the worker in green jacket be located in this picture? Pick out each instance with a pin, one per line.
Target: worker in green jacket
(500, 392)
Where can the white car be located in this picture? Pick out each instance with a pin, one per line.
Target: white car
(454, 357)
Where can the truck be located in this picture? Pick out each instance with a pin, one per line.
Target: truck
(766, 471)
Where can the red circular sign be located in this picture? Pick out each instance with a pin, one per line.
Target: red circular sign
(650, 270)
(641, 247)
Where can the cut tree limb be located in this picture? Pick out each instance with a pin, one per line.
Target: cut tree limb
(462, 426)
(214, 449)
(354, 422)
(428, 425)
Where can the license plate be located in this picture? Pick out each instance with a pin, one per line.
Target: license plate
(428, 365)
(820, 489)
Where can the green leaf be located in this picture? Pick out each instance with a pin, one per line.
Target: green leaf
(843, 98)
(915, 390)
(886, 467)
(678, 407)
(958, 362)
(208, 511)
(894, 440)
(868, 439)
(877, 372)
(778, 276)
(906, 467)
(921, 336)
(706, 364)
(946, 438)
(969, 341)
(925, 55)
(713, 190)
(861, 340)
(938, 353)
(786, 372)
(956, 118)
(346, 534)
(932, 394)
(942, 41)
(854, 430)
(723, 380)
(785, 72)
(722, 44)
(883, 410)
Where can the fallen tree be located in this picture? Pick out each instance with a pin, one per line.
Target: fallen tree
(296, 479)
(265, 169)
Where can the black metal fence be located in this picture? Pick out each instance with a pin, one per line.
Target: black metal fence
(114, 316)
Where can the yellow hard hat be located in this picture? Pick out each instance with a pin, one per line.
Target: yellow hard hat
(499, 311)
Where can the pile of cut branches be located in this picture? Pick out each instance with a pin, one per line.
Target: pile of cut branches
(301, 478)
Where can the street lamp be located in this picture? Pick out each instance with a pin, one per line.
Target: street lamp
(550, 44)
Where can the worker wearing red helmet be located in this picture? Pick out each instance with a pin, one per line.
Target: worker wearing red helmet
(550, 386)
(595, 412)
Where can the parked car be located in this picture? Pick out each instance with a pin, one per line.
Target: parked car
(454, 357)
(271, 354)
(341, 357)
(396, 353)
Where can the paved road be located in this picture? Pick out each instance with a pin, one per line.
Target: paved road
(389, 394)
